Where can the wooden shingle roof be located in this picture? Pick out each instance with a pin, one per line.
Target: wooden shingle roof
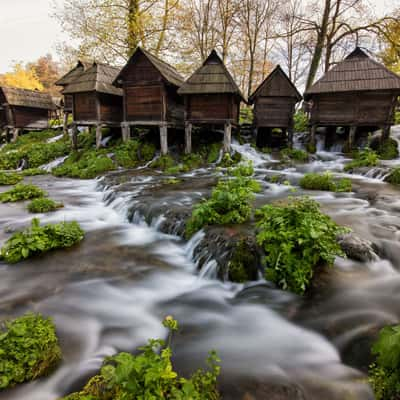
(357, 72)
(99, 78)
(73, 73)
(27, 98)
(276, 84)
(167, 71)
(211, 78)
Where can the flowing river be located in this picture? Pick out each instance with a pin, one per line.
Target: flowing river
(111, 292)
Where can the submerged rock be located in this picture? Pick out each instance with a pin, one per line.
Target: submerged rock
(357, 248)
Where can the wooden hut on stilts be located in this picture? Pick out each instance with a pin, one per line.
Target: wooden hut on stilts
(357, 92)
(274, 105)
(150, 88)
(95, 101)
(22, 109)
(212, 99)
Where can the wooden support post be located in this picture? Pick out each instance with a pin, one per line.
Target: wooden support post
(15, 134)
(313, 142)
(227, 137)
(385, 133)
(188, 138)
(74, 138)
(65, 124)
(99, 135)
(126, 132)
(290, 137)
(164, 139)
(352, 136)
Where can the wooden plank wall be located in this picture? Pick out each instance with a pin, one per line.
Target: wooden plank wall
(85, 106)
(144, 103)
(211, 107)
(68, 102)
(26, 117)
(274, 112)
(110, 107)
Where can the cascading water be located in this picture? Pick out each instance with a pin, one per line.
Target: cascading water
(111, 292)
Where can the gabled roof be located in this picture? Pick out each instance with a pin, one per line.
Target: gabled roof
(276, 84)
(99, 78)
(211, 78)
(27, 98)
(73, 73)
(357, 72)
(168, 72)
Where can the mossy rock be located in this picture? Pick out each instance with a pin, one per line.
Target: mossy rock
(243, 264)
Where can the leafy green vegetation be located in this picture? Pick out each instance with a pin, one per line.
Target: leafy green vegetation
(163, 162)
(296, 237)
(294, 154)
(388, 150)
(229, 161)
(43, 205)
(28, 349)
(213, 152)
(150, 375)
(22, 192)
(300, 121)
(39, 239)
(33, 172)
(325, 181)
(29, 138)
(242, 266)
(397, 118)
(384, 374)
(246, 115)
(230, 201)
(133, 153)
(363, 158)
(9, 178)
(394, 176)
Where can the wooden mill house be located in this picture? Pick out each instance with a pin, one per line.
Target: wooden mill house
(67, 98)
(212, 99)
(274, 106)
(150, 88)
(22, 109)
(95, 101)
(356, 93)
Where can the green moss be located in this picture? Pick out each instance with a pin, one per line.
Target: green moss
(43, 205)
(173, 181)
(213, 152)
(388, 150)
(242, 266)
(229, 161)
(28, 349)
(294, 154)
(9, 178)
(163, 162)
(22, 192)
(246, 115)
(300, 121)
(191, 161)
(127, 154)
(40, 239)
(363, 158)
(394, 176)
(325, 181)
(33, 172)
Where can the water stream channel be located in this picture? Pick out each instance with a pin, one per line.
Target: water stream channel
(111, 292)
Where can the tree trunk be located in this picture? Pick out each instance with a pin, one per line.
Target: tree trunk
(164, 28)
(319, 46)
(133, 38)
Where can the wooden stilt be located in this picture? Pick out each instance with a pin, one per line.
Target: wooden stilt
(126, 132)
(164, 139)
(313, 142)
(188, 138)
(99, 136)
(227, 137)
(74, 138)
(290, 137)
(352, 136)
(65, 124)
(15, 134)
(385, 133)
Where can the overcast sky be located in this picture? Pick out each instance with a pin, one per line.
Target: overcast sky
(27, 30)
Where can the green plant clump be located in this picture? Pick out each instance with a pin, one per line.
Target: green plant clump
(294, 154)
(229, 161)
(163, 162)
(388, 150)
(213, 153)
(296, 238)
(22, 192)
(394, 176)
(33, 172)
(43, 205)
(150, 375)
(39, 239)
(230, 201)
(28, 349)
(300, 121)
(325, 181)
(363, 158)
(9, 178)
(384, 374)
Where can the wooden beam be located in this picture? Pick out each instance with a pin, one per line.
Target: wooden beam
(65, 123)
(227, 137)
(15, 134)
(126, 132)
(352, 137)
(74, 138)
(312, 138)
(188, 138)
(99, 135)
(164, 139)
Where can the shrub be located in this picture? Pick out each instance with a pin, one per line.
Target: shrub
(384, 374)
(163, 162)
(388, 150)
(300, 121)
(230, 201)
(294, 154)
(9, 178)
(33, 172)
(363, 158)
(394, 176)
(39, 239)
(43, 205)
(28, 349)
(325, 181)
(296, 238)
(127, 154)
(22, 192)
(150, 375)
(229, 161)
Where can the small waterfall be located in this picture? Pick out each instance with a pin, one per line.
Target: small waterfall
(209, 270)
(53, 164)
(55, 138)
(251, 154)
